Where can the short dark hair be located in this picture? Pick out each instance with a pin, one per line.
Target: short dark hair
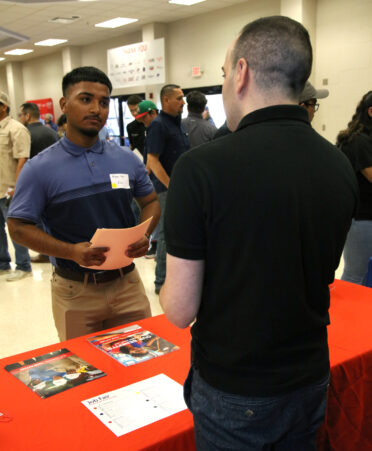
(166, 90)
(134, 99)
(62, 120)
(279, 51)
(196, 102)
(86, 73)
(32, 109)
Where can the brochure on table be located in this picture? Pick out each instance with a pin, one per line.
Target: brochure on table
(117, 240)
(53, 373)
(131, 345)
(137, 405)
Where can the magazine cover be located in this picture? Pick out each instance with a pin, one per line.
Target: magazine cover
(132, 345)
(55, 372)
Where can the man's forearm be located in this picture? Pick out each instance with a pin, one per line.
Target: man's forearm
(151, 209)
(20, 164)
(159, 172)
(36, 239)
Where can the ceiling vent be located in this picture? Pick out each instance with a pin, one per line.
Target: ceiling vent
(10, 38)
(64, 20)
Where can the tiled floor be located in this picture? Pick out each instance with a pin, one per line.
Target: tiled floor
(26, 320)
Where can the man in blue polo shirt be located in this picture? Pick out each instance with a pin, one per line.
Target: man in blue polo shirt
(74, 187)
(166, 140)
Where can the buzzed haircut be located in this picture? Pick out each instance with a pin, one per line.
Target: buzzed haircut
(85, 73)
(134, 99)
(279, 51)
(166, 90)
(32, 109)
(196, 102)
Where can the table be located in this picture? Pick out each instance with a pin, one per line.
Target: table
(61, 422)
(348, 423)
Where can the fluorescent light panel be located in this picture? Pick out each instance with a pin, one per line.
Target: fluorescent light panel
(18, 52)
(115, 23)
(2, 59)
(185, 2)
(51, 42)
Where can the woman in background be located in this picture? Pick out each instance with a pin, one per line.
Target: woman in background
(356, 143)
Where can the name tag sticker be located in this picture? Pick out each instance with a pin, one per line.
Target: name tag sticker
(119, 181)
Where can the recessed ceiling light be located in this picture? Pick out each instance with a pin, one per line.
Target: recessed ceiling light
(18, 52)
(64, 20)
(114, 23)
(51, 42)
(185, 2)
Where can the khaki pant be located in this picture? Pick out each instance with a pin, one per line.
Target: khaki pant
(81, 308)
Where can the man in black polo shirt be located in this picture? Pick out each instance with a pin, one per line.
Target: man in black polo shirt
(166, 140)
(41, 136)
(255, 225)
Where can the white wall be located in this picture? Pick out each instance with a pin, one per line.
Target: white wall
(42, 79)
(203, 40)
(344, 57)
(3, 81)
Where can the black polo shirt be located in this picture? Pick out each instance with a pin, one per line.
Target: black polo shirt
(166, 137)
(136, 134)
(267, 208)
(41, 137)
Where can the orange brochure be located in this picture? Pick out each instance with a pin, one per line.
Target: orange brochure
(118, 241)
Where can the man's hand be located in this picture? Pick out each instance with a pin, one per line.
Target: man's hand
(138, 249)
(86, 255)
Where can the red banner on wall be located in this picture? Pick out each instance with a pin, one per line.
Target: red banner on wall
(45, 106)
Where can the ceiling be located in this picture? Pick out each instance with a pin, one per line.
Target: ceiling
(24, 22)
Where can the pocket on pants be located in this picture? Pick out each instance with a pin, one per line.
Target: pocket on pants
(66, 289)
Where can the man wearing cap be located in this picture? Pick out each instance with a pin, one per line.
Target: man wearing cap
(309, 97)
(15, 143)
(166, 140)
(146, 113)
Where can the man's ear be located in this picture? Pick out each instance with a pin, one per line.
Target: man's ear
(62, 103)
(370, 111)
(241, 75)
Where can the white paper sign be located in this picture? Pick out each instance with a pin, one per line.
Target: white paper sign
(137, 64)
(137, 405)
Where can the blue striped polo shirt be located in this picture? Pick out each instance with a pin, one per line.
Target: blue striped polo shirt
(75, 190)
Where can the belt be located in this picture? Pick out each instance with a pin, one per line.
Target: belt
(93, 277)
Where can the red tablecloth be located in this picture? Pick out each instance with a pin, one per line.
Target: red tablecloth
(348, 423)
(63, 423)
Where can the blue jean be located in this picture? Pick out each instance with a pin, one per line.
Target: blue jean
(357, 252)
(22, 256)
(161, 251)
(226, 421)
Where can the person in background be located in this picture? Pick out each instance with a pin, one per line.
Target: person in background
(135, 129)
(207, 115)
(49, 122)
(254, 235)
(77, 185)
(198, 129)
(104, 134)
(41, 138)
(356, 143)
(309, 98)
(146, 113)
(166, 140)
(15, 143)
(62, 125)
